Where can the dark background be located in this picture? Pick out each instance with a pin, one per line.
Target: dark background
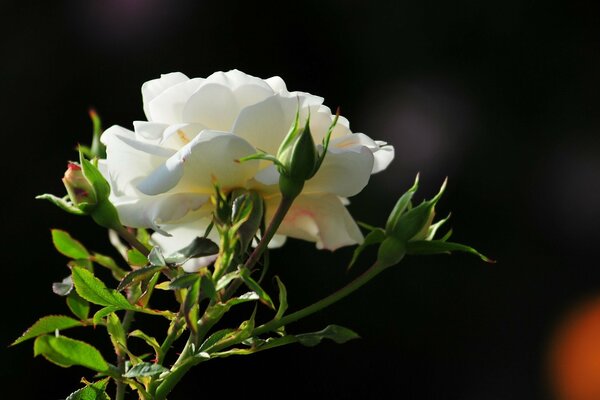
(501, 96)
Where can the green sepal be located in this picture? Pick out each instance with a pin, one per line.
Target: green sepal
(376, 236)
(48, 324)
(401, 205)
(283, 304)
(66, 352)
(391, 251)
(93, 290)
(414, 224)
(246, 216)
(78, 306)
(98, 149)
(337, 333)
(92, 391)
(440, 247)
(253, 285)
(138, 275)
(96, 179)
(325, 142)
(67, 246)
(61, 202)
(145, 369)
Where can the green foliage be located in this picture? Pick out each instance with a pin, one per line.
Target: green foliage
(92, 391)
(200, 247)
(67, 352)
(253, 285)
(337, 333)
(93, 290)
(145, 369)
(150, 341)
(427, 247)
(66, 245)
(283, 304)
(48, 324)
(136, 258)
(108, 262)
(78, 306)
(116, 332)
(138, 275)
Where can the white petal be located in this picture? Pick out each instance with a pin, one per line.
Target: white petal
(235, 79)
(149, 131)
(383, 153)
(210, 155)
(178, 135)
(213, 105)
(265, 124)
(344, 172)
(318, 218)
(153, 88)
(155, 211)
(277, 84)
(168, 106)
(128, 160)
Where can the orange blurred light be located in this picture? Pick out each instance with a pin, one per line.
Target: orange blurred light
(575, 355)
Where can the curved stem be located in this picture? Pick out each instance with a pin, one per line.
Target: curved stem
(282, 209)
(120, 394)
(132, 240)
(369, 274)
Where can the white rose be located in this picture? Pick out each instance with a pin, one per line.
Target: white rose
(161, 172)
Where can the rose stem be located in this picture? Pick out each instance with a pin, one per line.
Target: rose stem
(132, 240)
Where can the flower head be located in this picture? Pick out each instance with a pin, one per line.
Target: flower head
(161, 173)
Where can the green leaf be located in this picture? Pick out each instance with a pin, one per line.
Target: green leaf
(152, 342)
(283, 304)
(190, 305)
(225, 279)
(214, 339)
(207, 287)
(93, 290)
(145, 369)
(48, 324)
(136, 258)
(138, 275)
(68, 246)
(253, 285)
(439, 247)
(62, 203)
(93, 391)
(337, 333)
(67, 352)
(78, 306)
(116, 332)
(108, 262)
(375, 236)
(184, 281)
(200, 247)
(103, 312)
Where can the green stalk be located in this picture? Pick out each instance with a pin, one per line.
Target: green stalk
(132, 240)
(369, 274)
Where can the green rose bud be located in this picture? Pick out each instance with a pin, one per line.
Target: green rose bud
(80, 190)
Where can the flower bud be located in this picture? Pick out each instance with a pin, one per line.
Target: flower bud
(80, 190)
(298, 158)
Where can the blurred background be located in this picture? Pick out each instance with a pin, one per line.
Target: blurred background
(500, 96)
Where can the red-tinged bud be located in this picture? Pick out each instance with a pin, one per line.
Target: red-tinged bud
(80, 190)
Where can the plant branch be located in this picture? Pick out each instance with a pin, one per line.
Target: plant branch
(369, 274)
(132, 240)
